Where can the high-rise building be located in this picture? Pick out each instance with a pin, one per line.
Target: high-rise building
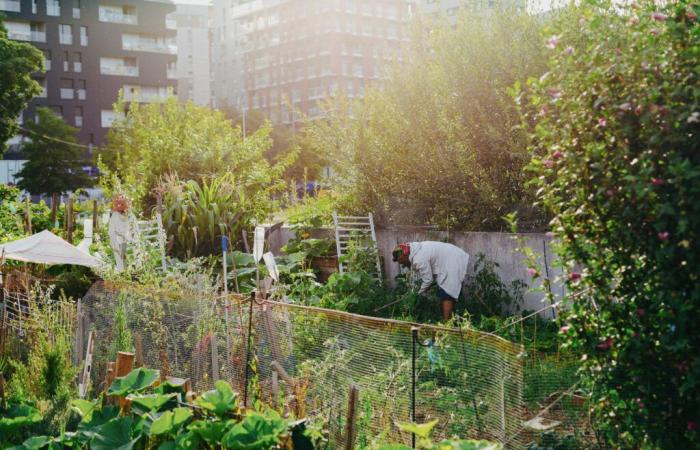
(193, 53)
(93, 49)
(451, 8)
(287, 56)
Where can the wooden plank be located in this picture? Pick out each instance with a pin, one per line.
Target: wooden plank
(124, 365)
(350, 425)
(84, 384)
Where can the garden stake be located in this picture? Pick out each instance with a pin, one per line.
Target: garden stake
(351, 417)
(94, 215)
(414, 334)
(248, 349)
(214, 358)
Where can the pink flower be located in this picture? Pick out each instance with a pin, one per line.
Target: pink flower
(569, 50)
(691, 15)
(532, 271)
(573, 276)
(663, 236)
(605, 345)
(659, 17)
(554, 93)
(610, 192)
(657, 181)
(602, 122)
(548, 163)
(557, 154)
(565, 329)
(692, 426)
(552, 42)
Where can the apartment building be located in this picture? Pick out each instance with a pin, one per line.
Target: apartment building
(193, 53)
(451, 8)
(290, 55)
(93, 49)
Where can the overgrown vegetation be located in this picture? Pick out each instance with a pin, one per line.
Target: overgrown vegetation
(614, 125)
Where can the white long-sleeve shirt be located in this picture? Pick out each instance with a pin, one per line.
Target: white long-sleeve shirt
(443, 263)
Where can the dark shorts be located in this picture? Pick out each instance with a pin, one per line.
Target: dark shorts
(442, 295)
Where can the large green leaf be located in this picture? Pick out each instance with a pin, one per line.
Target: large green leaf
(136, 381)
(141, 404)
(394, 447)
(18, 417)
(255, 432)
(87, 429)
(468, 445)
(84, 407)
(170, 421)
(420, 430)
(117, 434)
(220, 401)
(209, 431)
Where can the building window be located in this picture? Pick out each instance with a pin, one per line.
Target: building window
(126, 67)
(118, 14)
(66, 62)
(76, 8)
(108, 116)
(53, 7)
(78, 116)
(10, 5)
(77, 62)
(34, 6)
(67, 92)
(65, 34)
(83, 36)
(81, 90)
(47, 60)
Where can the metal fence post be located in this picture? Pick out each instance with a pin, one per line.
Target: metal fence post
(414, 343)
(248, 349)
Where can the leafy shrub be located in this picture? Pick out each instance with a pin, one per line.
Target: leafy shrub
(615, 129)
(486, 294)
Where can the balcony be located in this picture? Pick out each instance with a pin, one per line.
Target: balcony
(10, 5)
(146, 46)
(110, 16)
(124, 71)
(67, 94)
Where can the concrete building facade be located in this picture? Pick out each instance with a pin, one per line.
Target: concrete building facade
(93, 49)
(193, 53)
(290, 55)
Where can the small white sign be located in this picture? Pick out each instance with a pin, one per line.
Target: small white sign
(271, 266)
(259, 243)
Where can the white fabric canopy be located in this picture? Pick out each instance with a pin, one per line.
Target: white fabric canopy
(47, 248)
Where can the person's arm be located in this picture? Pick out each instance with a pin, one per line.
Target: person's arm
(425, 274)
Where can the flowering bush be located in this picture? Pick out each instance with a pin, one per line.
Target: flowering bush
(614, 125)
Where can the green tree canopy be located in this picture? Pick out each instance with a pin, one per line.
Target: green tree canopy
(438, 144)
(616, 130)
(18, 61)
(54, 164)
(191, 142)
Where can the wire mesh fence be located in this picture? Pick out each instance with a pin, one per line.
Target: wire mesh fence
(477, 385)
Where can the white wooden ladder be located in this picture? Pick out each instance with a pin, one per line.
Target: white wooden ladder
(352, 228)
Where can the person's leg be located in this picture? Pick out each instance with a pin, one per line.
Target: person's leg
(448, 307)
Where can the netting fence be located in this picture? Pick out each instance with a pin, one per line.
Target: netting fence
(308, 359)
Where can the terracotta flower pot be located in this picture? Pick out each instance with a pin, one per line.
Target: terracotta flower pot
(325, 266)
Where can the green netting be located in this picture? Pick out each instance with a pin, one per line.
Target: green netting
(472, 382)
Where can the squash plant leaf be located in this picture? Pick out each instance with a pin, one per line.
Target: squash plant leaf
(210, 432)
(170, 421)
(84, 407)
(220, 401)
(141, 404)
(117, 434)
(256, 432)
(136, 381)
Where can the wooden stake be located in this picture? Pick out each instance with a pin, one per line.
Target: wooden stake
(351, 417)
(28, 217)
(54, 208)
(78, 343)
(94, 219)
(138, 346)
(110, 375)
(69, 220)
(214, 358)
(275, 389)
(125, 363)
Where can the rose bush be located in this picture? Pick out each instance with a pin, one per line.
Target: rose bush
(615, 129)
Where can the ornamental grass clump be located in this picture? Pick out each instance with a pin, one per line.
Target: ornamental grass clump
(614, 127)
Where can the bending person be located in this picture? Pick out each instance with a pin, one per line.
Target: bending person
(438, 262)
